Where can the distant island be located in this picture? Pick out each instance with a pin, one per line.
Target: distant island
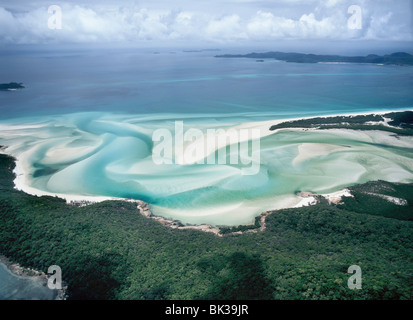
(398, 58)
(396, 122)
(11, 86)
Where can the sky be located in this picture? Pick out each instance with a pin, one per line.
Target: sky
(220, 22)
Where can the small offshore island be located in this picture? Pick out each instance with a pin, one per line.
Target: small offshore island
(11, 86)
(397, 58)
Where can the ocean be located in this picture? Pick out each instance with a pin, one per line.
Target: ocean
(178, 82)
(13, 287)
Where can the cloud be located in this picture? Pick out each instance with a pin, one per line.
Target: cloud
(265, 25)
(225, 28)
(212, 21)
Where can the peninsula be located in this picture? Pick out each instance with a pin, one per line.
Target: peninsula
(398, 58)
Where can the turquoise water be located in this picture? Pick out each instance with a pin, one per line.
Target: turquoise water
(13, 287)
(101, 154)
(85, 122)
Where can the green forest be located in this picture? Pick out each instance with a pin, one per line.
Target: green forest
(110, 251)
(400, 123)
(397, 58)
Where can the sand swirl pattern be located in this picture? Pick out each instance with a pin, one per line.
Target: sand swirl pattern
(98, 156)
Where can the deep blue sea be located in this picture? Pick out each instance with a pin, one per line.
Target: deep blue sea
(175, 81)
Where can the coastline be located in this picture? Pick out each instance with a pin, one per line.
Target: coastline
(305, 198)
(29, 273)
(308, 199)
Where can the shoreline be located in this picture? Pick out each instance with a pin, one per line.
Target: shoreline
(308, 199)
(38, 121)
(21, 184)
(29, 273)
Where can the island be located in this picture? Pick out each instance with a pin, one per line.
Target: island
(397, 58)
(395, 122)
(11, 86)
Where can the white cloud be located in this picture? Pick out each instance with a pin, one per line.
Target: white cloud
(234, 20)
(332, 3)
(225, 28)
(265, 25)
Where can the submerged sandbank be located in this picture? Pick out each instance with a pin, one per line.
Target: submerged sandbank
(96, 159)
